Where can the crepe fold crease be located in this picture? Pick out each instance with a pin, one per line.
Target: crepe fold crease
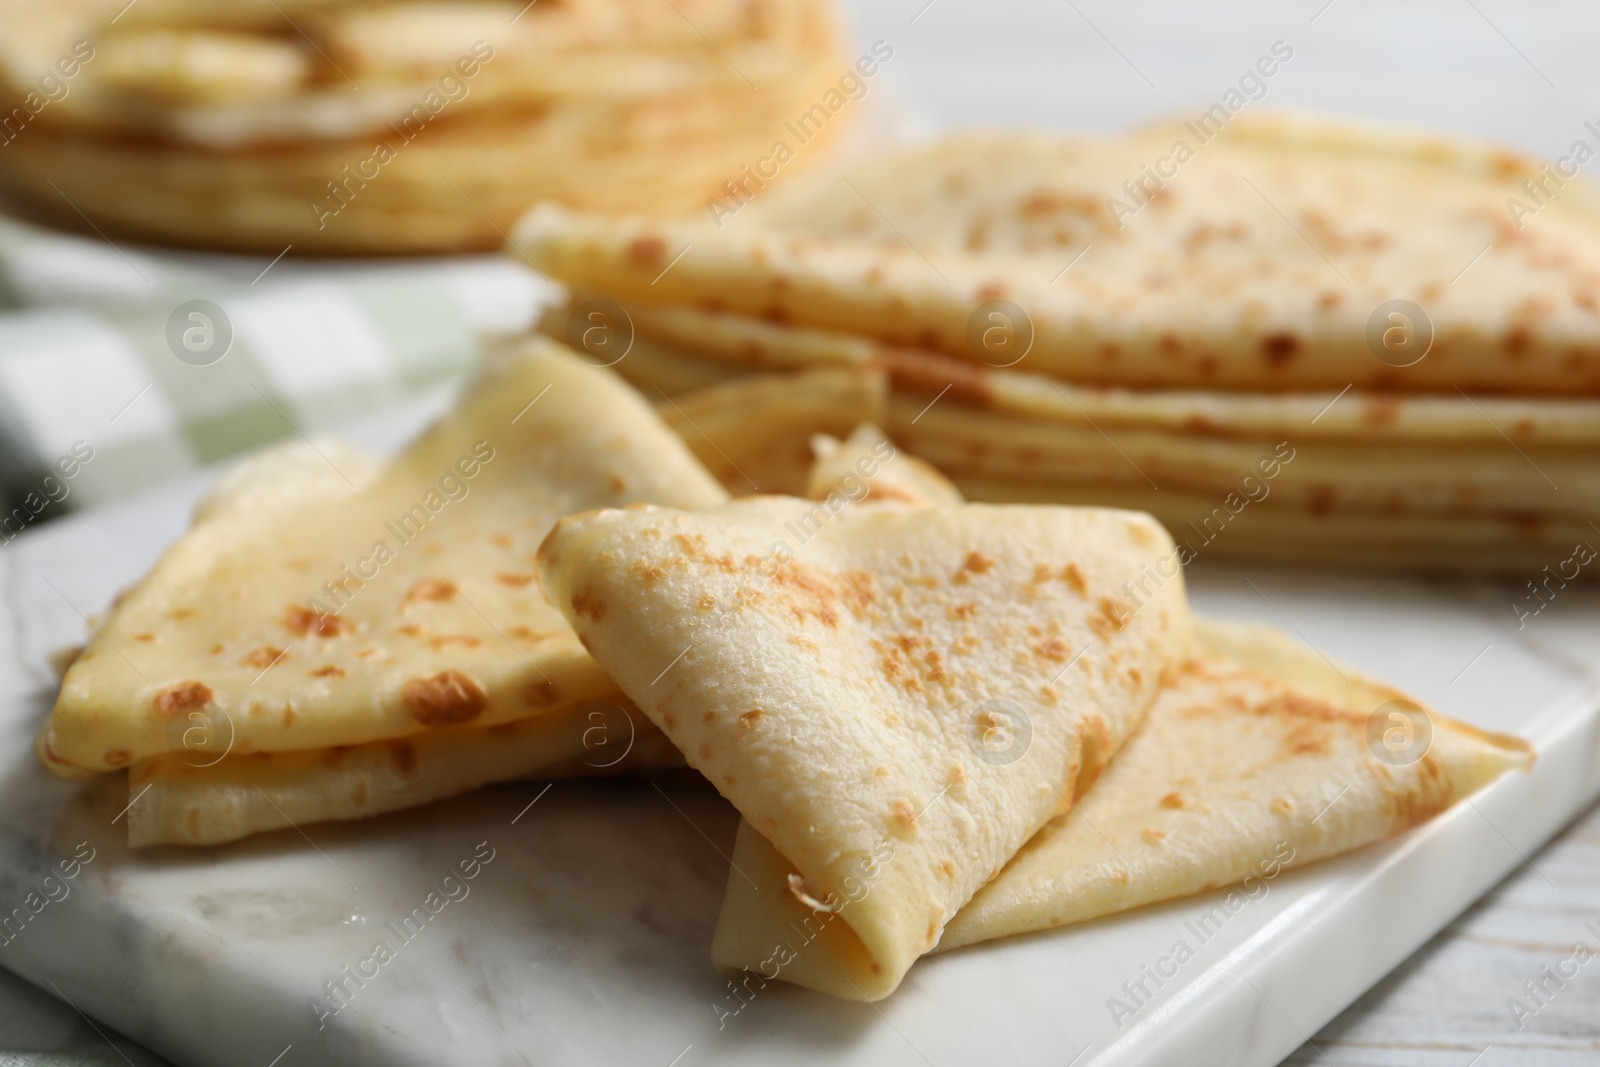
(897, 696)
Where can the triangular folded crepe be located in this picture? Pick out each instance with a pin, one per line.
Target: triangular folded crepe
(897, 697)
(867, 467)
(364, 605)
(1258, 757)
(1267, 259)
(198, 801)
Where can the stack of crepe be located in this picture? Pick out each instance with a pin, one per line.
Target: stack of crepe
(1292, 339)
(407, 126)
(942, 722)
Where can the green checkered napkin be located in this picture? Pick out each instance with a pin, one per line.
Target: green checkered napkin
(117, 351)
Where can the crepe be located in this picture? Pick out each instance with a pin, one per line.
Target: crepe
(198, 800)
(1475, 483)
(376, 604)
(866, 467)
(1259, 757)
(717, 344)
(201, 798)
(897, 696)
(768, 424)
(402, 126)
(1239, 772)
(1260, 267)
(1232, 525)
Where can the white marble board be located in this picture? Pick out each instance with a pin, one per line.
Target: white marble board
(584, 940)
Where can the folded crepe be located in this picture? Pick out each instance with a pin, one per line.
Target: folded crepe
(322, 603)
(898, 697)
(358, 127)
(1258, 757)
(1262, 264)
(194, 801)
(755, 434)
(201, 797)
(1368, 479)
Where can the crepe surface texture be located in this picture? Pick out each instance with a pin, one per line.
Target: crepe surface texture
(1257, 758)
(839, 671)
(1203, 284)
(323, 605)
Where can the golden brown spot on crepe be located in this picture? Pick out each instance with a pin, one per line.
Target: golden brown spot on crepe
(118, 757)
(1517, 342)
(991, 290)
(649, 572)
(146, 638)
(586, 603)
(303, 622)
(1170, 344)
(1327, 301)
(500, 540)
(445, 699)
(411, 630)
(808, 593)
(750, 718)
(404, 755)
(1279, 348)
(647, 251)
(435, 590)
(216, 650)
(444, 640)
(1175, 801)
(264, 657)
(329, 671)
(183, 613)
(1152, 835)
(541, 694)
(948, 869)
(1072, 574)
(1110, 616)
(905, 816)
(1120, 876)
(975, 563)
(1207, 366)
(185, 696)
(1053, 649)
(516, 581)
(958, 775)
(933, 930)
(961, 612)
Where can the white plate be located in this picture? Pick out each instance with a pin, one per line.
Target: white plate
(585, 939)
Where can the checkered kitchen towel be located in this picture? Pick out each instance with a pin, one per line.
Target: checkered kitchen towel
(122, 367)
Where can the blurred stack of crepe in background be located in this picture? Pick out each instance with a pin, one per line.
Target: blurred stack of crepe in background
(347, 127)
(1286, 338)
